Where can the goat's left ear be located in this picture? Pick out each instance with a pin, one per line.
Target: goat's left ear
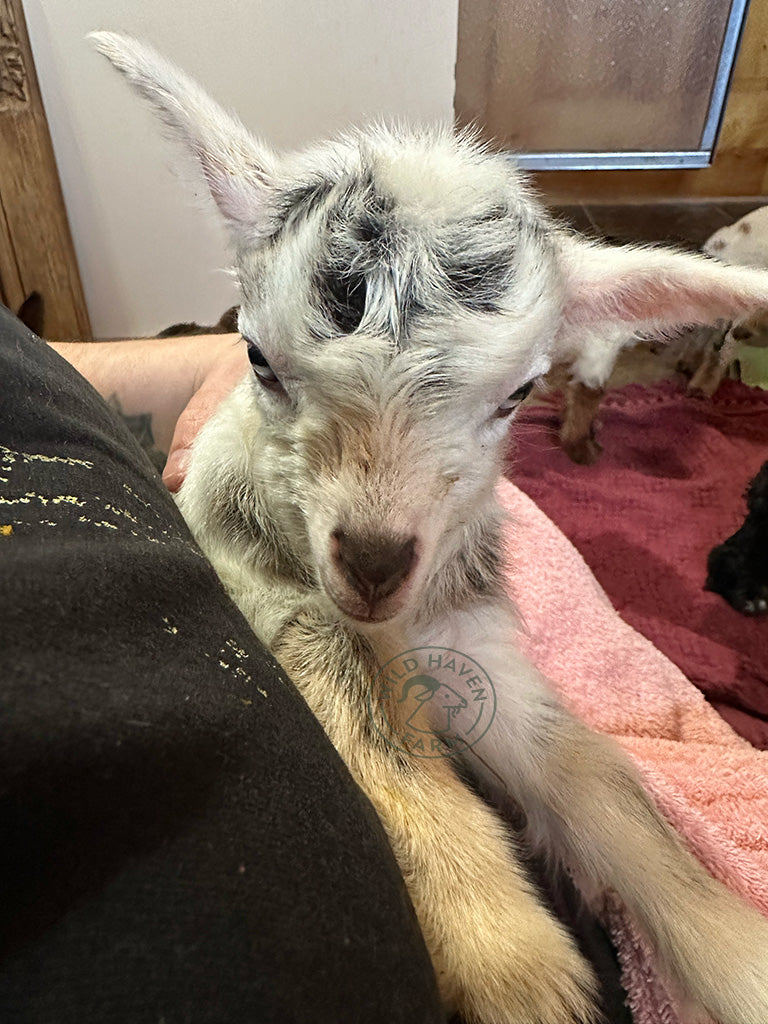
(241, 172)
(650, 289)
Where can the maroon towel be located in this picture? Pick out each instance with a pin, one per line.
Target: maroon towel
(669, 486)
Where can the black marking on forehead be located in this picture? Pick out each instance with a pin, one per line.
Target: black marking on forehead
(373, 223)
(360, 226)
(477, 259)
(478, 282)
(468, 262)
(343, 295)
(296, 202)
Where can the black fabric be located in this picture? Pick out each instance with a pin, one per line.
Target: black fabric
(592, 939)
(179, 842)
(558, 892)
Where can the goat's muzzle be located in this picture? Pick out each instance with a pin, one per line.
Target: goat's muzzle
(376, 567)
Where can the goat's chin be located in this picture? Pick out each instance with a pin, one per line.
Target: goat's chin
(359, 612)
(361, 615)
(374, 619)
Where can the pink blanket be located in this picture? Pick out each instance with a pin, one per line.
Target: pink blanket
(711, 784)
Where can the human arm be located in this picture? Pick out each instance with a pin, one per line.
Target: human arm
(164, 388)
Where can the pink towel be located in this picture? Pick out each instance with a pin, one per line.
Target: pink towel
(667, 488)
(710, 783)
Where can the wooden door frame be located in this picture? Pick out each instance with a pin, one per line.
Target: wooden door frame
(36, 249)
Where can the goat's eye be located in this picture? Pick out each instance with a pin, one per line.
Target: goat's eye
(265, 375)
(509, 406)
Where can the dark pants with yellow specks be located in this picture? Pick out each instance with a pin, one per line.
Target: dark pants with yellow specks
(179, 841)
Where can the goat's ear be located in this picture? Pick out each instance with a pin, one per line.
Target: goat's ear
(649, 289)
(240, 171)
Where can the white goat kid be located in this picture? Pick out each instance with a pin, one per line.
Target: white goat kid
(400, 293)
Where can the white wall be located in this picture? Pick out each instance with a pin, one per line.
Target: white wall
(150, 254)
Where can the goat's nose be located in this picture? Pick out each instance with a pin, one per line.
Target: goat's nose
(374, 564)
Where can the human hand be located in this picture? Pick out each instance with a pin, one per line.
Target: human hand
(223, 362)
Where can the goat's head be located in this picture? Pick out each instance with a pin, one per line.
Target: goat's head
(401, 292)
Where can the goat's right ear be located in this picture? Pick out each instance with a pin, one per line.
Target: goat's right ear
(241, 172)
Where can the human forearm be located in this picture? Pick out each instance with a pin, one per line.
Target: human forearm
(154, 378)
(151, 384)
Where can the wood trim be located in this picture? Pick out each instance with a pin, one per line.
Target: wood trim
(36, 250)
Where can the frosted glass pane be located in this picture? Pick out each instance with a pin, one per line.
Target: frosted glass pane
(589, 75)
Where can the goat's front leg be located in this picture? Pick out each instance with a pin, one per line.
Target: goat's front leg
(591, 355)
(578, 430)
(499, 956)
(585, 803)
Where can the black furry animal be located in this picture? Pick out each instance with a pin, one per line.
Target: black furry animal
(227, 325)
(738, 568)
(32, 313)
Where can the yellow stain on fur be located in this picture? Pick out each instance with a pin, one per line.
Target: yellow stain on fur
(6, 531)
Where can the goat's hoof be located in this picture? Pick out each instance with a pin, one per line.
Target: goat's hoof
(704, 385)
(585, 450)
(551, 990)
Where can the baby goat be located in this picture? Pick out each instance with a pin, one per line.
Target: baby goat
(400, 294)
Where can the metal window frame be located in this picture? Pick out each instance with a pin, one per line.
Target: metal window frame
(639, 160)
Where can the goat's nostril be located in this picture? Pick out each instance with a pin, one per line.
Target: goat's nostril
(374, 564)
